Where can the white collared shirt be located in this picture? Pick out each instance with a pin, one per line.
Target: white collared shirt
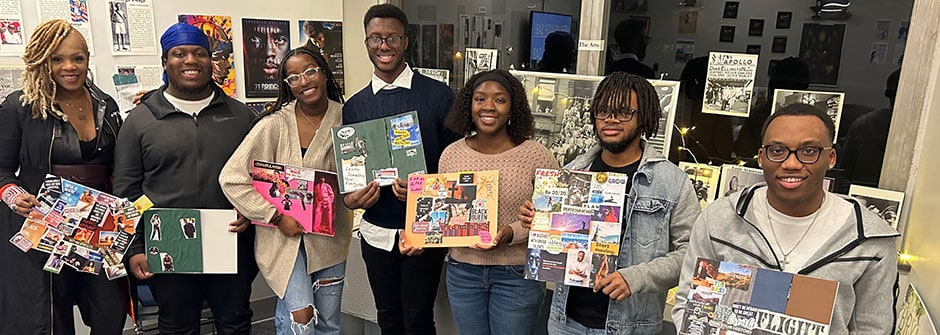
(403, 80)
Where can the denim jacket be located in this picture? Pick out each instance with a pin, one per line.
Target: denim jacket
(658, 215)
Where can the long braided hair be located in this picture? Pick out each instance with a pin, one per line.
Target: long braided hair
(284, 95)
(39, 89)
(614, 93)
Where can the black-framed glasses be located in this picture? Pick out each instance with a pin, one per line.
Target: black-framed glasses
(294, 79)
(393, 41)
(807, 154)
(622, 115)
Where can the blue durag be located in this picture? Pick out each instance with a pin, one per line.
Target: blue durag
(182, 34)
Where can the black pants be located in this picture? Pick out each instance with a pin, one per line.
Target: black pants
(404, 288)
(180, 298)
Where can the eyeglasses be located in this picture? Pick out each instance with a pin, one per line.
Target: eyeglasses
(805, 154)
(622, 115)
(391, 41)
(294, 79)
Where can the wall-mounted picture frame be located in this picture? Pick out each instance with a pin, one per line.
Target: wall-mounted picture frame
(755, 27)
(779, 45)
(726, 34)
(731, 10)
(784, 19)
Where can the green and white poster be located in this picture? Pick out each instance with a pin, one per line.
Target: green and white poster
(190, 241)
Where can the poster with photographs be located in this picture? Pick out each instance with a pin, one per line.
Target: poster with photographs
(730, 83)
(821, 48)
(380, 149)
(884, 203)
(731, 298)
(218, 28)
(12, 40)
(560, 102)
(326, 37)
(784, 19)
(441, 75)
(704, 180)
(830, 102)
(575, 235)
(190, 240)
(735, 178)
(10, 79)
(479, 60)
(73, 11)
(305, 194)
(266, 42)
(132, 28)
(429, 46)
(913, 318)
(451, 209)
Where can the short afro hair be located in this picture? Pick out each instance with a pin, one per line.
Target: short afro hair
(802, 110)
(385, 10)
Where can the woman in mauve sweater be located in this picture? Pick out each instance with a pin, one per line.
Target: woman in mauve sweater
(306, 271)
(486, 283)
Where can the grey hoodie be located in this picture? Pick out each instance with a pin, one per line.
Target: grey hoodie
(861, 256)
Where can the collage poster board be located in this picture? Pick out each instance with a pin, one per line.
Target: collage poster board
(575, 235)
(218, 28)
(829, 102)
(886, 204)
(190, 240)
(729, 85)
(704, 180)
(307, 195)
(726, 297)
(380, 149)
(452, 209)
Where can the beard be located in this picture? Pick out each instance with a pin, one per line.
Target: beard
(617, 146)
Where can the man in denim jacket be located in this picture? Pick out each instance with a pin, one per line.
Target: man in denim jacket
(658, 215)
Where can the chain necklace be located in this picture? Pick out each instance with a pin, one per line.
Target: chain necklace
(79, 110)
(786, 254)
(501, 149)
(316, 126)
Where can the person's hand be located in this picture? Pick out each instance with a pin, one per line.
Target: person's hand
(400, 188)
(526, 214)
(363, 198)
(613, 286)
(602, 271)
(503, 236)
(138, 96)
(408, 250)
(289, 226)
(23, 204)
(139, 267)
(240, 224)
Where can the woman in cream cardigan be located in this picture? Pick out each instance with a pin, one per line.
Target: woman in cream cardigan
(306, 271)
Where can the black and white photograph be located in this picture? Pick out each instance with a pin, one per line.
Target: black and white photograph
(726, 34)
(729, 84)
(735, 178)
(441, 75)
(784, 19)
(755, 27)
(704, 180)
(884, 203)
(831, 102)
(119, 36)
(479, 60)
(579, 188)
(731, 10)
(779, 45)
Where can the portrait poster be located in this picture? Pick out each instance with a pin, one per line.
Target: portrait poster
(307, 195)
(445, 47)
(730, 298)
(830, 102)
(913, 318)
(441, 75)
(218, 28)
(325, 37)
(452, 209)
(429, 46)
(688, 22)
(12, 37)
(735, 178)
(729, 84)
(73, 11)
(479, 60)
(380, 149)
(265, 42)
(704, 179)
(821, 48)
(784, 19)
(755, 27)
(575, 235)
(731, 10)
(132, 28)
(10, 79)
(882, 29)
(190, 241)
(886, 204)
(779, 45)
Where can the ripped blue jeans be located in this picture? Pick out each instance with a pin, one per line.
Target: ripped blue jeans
(304, 291)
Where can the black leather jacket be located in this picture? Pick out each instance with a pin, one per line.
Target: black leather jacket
(26, 144)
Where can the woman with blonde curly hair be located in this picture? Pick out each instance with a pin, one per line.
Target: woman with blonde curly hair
(62, 124)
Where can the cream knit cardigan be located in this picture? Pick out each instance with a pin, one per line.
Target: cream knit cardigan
(275, 139)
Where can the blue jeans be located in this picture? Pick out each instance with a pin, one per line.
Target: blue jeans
(304, 291)
(493, 299)
(571, 327)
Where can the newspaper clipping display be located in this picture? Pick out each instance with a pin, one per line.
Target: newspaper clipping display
(12, 41)
(729, 85)
(452, 209)
(73, 11)
(132, 29)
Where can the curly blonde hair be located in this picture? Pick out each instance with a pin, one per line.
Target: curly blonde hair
(39, 89)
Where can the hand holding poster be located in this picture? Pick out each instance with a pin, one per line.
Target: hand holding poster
(307, 195)
(380, 149)
(729, 84)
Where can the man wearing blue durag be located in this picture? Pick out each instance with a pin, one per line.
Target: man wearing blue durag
(173, 148)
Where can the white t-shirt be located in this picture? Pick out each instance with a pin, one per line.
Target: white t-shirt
(191, 107)
(789, 229)
(583, 269)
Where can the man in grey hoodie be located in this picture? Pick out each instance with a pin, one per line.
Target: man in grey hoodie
(791, 224)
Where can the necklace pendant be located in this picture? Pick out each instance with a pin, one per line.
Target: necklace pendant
(784, 263)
